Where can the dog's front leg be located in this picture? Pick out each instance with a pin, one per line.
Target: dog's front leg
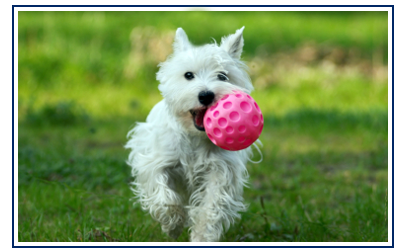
(216, 203)
(155, 186)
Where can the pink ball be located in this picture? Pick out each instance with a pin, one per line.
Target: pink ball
(234, 122)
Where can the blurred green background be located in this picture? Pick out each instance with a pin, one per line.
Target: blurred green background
(85, 78)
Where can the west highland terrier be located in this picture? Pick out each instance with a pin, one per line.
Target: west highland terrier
(180, 177)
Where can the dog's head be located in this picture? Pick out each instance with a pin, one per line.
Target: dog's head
(195, 77)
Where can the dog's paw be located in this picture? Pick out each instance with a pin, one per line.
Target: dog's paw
(198, 238)
(173, 221)
(175, 233)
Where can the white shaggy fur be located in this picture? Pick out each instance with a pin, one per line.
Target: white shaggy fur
(181, 177)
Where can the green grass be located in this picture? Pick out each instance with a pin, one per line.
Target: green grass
(324, 171)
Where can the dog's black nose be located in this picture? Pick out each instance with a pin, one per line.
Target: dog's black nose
(206, 97)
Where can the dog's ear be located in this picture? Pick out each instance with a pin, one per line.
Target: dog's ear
(181, 41)
(233, 43)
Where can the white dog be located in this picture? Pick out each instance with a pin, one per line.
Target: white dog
(181, 177)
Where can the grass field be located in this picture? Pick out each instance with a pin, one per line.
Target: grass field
(85, 78)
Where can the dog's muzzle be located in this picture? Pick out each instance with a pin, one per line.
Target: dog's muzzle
(198, 118)
(205, 98)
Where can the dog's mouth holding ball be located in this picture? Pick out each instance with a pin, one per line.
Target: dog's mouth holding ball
(198, 118)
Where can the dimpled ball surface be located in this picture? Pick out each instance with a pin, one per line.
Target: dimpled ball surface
(234, 122)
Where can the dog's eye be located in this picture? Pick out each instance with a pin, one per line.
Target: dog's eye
(222, 77)
(189, 75)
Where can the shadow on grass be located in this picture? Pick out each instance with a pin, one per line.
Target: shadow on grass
(60, 114)
(62, 139)
(70, 113)
(331, 120)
